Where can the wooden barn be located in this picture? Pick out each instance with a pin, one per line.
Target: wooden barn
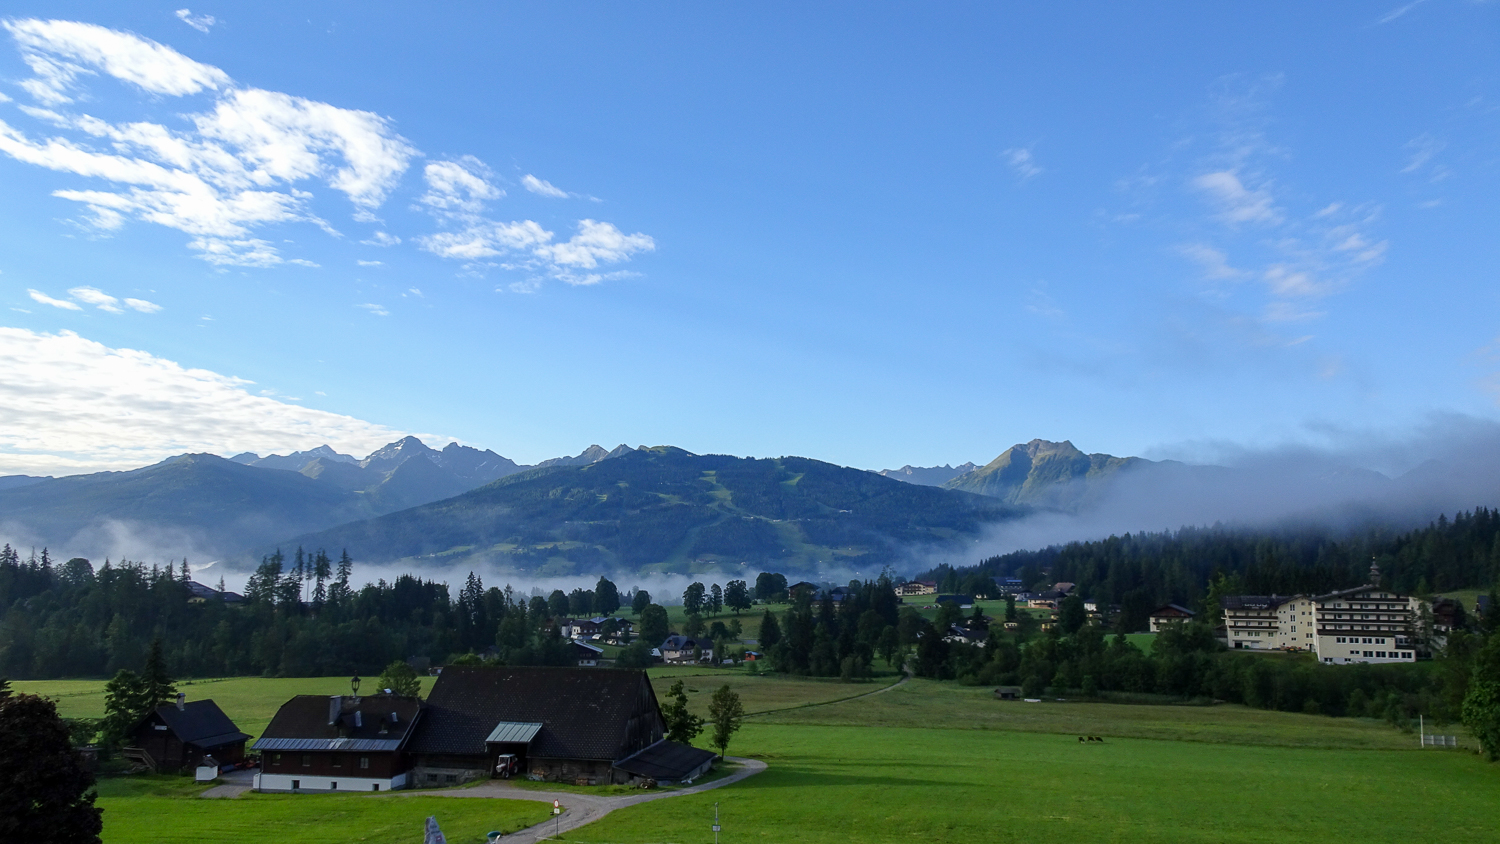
(565, 724)
(177, 737)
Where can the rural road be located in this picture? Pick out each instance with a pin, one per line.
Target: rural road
(579, 809)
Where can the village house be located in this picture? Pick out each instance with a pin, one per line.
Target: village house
(1169, 614)
(683, 649)
(562, 724)
(588, 655)
(1008, 585)
(185, 735)
(338, 743)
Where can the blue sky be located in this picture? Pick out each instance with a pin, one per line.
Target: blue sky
(875, 234)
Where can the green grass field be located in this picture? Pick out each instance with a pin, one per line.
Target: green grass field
(923, 761)
(877, 784)
(167, 810)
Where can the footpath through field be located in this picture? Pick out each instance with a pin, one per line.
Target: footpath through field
(579, 809)
(905, 676)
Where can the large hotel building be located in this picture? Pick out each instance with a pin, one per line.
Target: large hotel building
(1365, 624)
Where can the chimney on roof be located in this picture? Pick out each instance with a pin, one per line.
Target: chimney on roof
(335, 705)
(181, 701)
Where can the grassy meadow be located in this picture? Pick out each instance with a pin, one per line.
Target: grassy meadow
(920, 761)
(167, 810)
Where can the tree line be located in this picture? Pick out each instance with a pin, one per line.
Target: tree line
(1139, 572)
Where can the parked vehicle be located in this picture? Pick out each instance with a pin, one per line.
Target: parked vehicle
(507, 764)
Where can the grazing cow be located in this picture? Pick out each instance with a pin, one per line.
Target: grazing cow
(1081, 739)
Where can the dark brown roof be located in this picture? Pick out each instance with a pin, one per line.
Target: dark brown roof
(201, 723)
(304, 721)
(666, 760)
(585, 712)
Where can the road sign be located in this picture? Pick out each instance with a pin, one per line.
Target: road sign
(716, 827)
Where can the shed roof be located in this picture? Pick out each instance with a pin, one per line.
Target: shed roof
(666, 760)
(514, 732)
(201, 723)
(584, 712)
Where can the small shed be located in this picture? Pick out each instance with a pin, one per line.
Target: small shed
(1008, 693)
(176, 737)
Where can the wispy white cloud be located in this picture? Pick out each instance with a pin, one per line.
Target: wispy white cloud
(459, 188)
(142, 305)
(542, 187)
(381, 239)
(198, 22)
(377, 310)
(1422, 152)
(68, 404)
(42, 298)
(1214, 262)
(227, 171)
(596, 243)
(58, 52)
(1237, 203)
(98, 298)
(370, 263)
(1021, 160)
(1399, 11)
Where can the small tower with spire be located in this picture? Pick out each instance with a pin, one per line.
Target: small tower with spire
(1374, 572)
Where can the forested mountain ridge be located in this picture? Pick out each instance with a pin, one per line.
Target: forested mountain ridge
(1142, 571)
(665, 509)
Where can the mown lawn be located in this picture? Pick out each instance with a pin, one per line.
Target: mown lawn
(759, 693)
(166, 810)
(927, 703)
(903, 784)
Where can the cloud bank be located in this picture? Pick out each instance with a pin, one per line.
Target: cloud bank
(249, 159)
(70, 405)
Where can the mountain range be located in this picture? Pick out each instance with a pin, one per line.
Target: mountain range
(665, 509)
(211, 506)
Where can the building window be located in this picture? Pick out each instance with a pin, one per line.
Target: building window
(450, 778)
(338, 760)
(333, 786)
(296, 784)
(307, 760)
(275, 758)
(1369, 654)
(364, 762)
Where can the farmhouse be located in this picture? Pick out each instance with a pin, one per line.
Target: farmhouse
(588, 655)
(564, 724)
(682, 649)
(1169, 614)
(177, 737)
(338, 743)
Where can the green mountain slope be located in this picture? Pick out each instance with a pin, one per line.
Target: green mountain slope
(1045, 474)
(664, 509)
(222, 505)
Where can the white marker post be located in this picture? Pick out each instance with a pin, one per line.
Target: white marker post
(716, 823)
(557, 819)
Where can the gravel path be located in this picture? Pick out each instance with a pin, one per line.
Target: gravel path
(579, 809)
